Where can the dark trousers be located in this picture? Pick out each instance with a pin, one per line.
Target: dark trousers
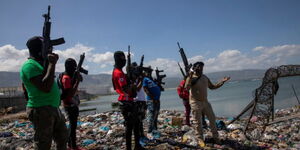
(187, 111)
(72, 112)
(129, 112)
(141, 108)
(153, 109)
(49, 123)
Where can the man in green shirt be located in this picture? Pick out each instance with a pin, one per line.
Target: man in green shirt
(43, 98)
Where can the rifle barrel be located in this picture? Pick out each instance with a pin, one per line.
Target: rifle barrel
(178, 45)
(49, 11)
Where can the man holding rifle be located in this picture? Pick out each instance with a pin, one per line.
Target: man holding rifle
(153, 93)
(183, 92)
(70, 80)
(37, 75)
(198, 83)
(126, 90)
(43, 97)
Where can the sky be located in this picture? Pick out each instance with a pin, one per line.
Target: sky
(225, 35)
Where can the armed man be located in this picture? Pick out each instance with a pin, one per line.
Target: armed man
(197, 83)
(70, 80)
(43, 97)
(127, 91)
(37, 75)
(140, 99)
(153, 92)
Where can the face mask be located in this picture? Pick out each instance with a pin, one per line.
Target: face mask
(120, 61)
(71, 70)
(70, 67)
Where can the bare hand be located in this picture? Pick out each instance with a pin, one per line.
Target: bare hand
(191, 73)
(52, 58)
(225, 79)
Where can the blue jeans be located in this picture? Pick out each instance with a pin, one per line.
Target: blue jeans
(153, 111)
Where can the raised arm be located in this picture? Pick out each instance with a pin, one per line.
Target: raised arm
(219, 84)
(139, 84)
(188, 81)
(45, 82)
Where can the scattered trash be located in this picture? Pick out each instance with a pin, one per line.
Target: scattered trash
(221, 125)
(87, 142)
(104, 128)
(106, 131)
(6, 134)
(177, 121)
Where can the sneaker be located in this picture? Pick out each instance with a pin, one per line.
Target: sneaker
(142, 142)
(156, 134)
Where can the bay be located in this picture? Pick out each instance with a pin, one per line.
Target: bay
(227, 101)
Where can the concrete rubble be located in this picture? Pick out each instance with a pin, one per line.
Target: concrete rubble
(106, 131)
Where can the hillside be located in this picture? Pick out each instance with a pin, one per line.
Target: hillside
(101, 83)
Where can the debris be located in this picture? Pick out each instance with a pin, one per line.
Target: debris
(106, 131)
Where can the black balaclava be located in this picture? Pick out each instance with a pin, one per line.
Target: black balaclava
(199, 63)
(70, 66)
(120, 59)
(35, 46)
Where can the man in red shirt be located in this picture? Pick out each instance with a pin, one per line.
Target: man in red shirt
(183, 93)
(126, 95)
(70, 81)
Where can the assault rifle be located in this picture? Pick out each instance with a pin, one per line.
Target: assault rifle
(159, 78)
(79, 68)
(181, 70)
(129, 68)
(47, 42)
(130, 72)
(138, 70)
(142, 61)
(187, 66)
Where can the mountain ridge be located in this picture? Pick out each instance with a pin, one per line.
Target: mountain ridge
(101, 83)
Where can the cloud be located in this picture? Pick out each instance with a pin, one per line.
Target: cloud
(103, 59)
(260, 57)
(74, 52)
(11, 58)
(169, 66)
(236, 60)
(281, 51)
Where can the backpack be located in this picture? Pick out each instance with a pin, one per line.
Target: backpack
(182, 92)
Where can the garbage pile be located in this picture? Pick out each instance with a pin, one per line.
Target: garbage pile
(106, 131)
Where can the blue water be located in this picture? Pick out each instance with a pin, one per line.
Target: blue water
(229, 100)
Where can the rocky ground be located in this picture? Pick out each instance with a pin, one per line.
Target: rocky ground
(106, 131)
